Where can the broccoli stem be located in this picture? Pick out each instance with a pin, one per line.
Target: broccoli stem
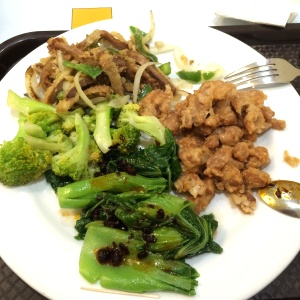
(102, 134)
(26, 105)
(82, 193)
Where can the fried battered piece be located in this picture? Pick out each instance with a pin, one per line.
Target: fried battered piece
(255, 178)
(192, 153)
(157, 103)
(219, 125)
(194, 110)
(202, 191)
(246, 202)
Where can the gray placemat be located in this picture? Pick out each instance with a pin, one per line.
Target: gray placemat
(290, 52)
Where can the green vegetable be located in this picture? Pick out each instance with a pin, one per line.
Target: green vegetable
(152, 161)
(193, 76)
(20, 163)
(20, 160)
(56, 141)
(57, 181)
(147, 124)
(177, 230)
(74, 163)
(125, 139)
(196, 76)
(166, 68)
(104, 113)
(41, 124)
(90, 119)
(47, 121)
(26, 105)
(145, 90)
(148, 274)
(102, 134)
(68, 119)
(92, 71)
(146, 236)
(208, 75)
(138, 37)
(82, 194)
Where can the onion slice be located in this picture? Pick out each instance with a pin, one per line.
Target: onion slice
(137, 79)
(81, 93)
(148, 37)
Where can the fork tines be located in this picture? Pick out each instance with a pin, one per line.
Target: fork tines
(253, 74)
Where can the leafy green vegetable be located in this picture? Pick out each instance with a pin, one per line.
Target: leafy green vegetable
(92, 71)
(152, 161)
(178, 231)
(157, 232)
(81, 194)
(134, 274)
(57, 181)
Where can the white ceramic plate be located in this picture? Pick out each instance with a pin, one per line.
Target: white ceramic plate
(38, 244)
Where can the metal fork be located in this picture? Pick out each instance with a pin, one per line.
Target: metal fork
(264, 73)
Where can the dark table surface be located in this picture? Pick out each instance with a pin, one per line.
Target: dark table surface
(270, 42)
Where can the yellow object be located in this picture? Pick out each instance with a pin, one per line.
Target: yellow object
(83, 16)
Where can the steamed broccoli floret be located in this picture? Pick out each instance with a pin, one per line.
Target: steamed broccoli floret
(74, 163)
(125, 139)
(94, 160)
(20, 163)
(48, 121)
(90, 120)
(147, 124)
(68, 119)
(95, 155)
